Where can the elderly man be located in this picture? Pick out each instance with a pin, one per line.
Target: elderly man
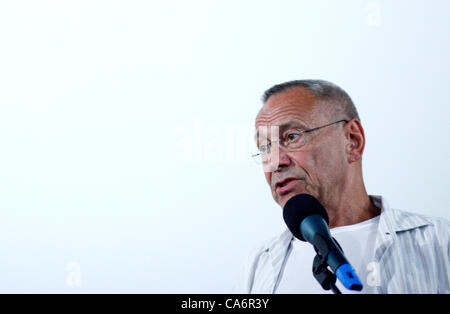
(311, 140)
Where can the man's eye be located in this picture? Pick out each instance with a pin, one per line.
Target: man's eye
(293, 136)
(264, 148)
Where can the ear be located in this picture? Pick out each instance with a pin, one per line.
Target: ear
(356, 140)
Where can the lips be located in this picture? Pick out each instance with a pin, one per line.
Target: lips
(285, 185)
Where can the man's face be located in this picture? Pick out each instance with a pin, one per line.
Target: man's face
(318, 166)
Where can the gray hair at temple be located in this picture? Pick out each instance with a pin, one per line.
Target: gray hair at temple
(325, 91)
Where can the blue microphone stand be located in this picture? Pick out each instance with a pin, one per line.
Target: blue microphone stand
(323, 275)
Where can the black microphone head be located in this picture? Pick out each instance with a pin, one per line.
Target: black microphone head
(298, 208)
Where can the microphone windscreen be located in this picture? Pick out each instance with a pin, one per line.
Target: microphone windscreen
(298, 208)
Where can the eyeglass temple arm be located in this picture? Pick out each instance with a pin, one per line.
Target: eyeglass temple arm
(324, 126)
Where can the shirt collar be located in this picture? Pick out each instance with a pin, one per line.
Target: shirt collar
(397, 220)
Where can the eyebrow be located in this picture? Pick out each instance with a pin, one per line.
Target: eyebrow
(292, 123)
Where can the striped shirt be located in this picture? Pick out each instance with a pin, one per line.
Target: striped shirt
(411, 256)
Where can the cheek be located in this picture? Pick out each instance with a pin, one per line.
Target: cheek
(316, 163)
(305, 163)
(330, 163)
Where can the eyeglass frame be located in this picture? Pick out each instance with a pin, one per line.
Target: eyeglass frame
(303, 132)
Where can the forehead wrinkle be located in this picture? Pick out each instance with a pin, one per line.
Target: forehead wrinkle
(267, 111)
(297, 104)
(267, 118)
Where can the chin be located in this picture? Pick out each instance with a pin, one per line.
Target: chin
(282, 199)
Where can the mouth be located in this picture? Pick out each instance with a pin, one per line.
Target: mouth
(286, 185)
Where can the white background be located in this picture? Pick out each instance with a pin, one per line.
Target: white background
(120, 161)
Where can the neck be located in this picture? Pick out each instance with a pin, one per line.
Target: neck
(352, 204)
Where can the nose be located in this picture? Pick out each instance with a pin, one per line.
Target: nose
(280, 160)
(284, 161)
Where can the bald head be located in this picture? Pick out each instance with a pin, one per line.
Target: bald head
(326, 96)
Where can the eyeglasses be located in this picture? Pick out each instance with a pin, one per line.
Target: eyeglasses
(291, 140)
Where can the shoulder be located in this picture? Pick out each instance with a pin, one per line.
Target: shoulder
(407, 219)
(270, 252)
(422, 229)
(257, 259)
(422, 242)
(401, 220)
(273, 244)
(280, 240)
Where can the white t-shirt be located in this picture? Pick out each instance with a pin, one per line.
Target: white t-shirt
(358, 244)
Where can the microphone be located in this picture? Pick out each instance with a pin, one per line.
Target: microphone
(308, 221)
